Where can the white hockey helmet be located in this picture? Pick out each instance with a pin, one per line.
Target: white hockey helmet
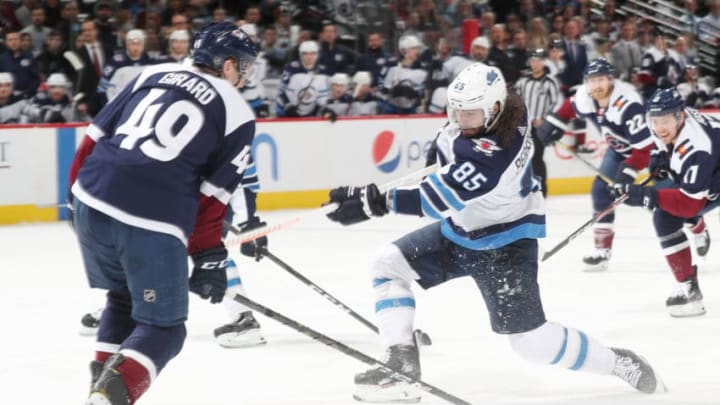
(309, 47)
(340, 78)
(477, 87)
(408, 41)
(57, 80)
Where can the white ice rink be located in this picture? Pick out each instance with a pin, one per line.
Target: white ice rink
(43, 294)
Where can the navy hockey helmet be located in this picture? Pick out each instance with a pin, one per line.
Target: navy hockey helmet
(598, 67)
(218, 42)
(665, 102)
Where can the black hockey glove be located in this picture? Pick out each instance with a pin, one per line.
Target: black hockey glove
(208, 279)
(357, 204)
(548, 133)
(329, 115)
(255, 247)
(637, 195)
(625, 174)
(659, 166)
(291, 111)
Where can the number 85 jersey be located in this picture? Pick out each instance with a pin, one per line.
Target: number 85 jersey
(169, 137)
(485, 194)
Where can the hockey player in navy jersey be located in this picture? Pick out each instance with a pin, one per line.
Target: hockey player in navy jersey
(490, 213)
(687, 155)
(150, 184)
(616, 109)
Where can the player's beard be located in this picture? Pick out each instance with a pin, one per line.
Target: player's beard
(601, 94)
(472, 132)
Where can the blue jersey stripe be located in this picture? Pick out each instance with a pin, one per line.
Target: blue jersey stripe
(379, 281)
(446, 193)
(428, 208)
(434, 197)
(394, 303)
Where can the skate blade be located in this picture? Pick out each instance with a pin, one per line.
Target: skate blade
(97, 398)
(688, 310)
(399, 393)
(235, 340)
(595, 268)
(87, 331)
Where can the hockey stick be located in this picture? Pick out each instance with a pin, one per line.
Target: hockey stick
(325, 209)
(587, 163)
(589, 223)
(354, 353)
(422, 337)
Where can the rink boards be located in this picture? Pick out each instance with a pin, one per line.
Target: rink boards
(298, 161)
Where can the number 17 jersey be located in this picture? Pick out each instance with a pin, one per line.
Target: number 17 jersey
(171, 135)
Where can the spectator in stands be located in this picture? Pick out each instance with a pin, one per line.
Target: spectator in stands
(626, 53)
(53, 105)
(404, 84)
(23, 13)
(8, 21)
(709, 26)
(432, 60)
(497, 56)
(37, 30)
(106, 27)
(575, 56)
(26, 43)
(53, 10)
(376, 60)
(659, 69)
(275, 55)
(219, 15)
(94, 56)
(537, 34)
(518, 54)
(69, 24)
(364, 101)
(11, 105)
(123, 67)
(285, 36)
(172, 7)
(694, 91)
(602, 50)
(332, 55)
(487, 21)
(21, 65)
(557, 25)
(304, 86)
(690, 16)
(51, 59)
(252, 15)
(555, 61)
(680, 54)
(339, 100)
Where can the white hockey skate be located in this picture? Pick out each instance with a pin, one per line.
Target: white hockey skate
(379, 386)
(597, 260)
(90, 323)
(636, 371)
(686, 300)
(245, 332)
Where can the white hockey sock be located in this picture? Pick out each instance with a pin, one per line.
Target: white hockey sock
(566, 347)
(234, 286)
(394, 311)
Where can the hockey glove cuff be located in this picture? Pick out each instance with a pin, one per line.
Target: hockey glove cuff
(637, 195)
(208, 279)
(550, 131)
(255, 247)
(625, 174)
(659, 165)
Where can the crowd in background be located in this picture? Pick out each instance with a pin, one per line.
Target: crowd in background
(61, 61)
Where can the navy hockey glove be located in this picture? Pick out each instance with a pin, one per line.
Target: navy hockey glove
(255, 247)
(208, 279)
(291, 111)
(637, 195)
(659, 166)
(548, 133)
(625, 174)
(357, 204)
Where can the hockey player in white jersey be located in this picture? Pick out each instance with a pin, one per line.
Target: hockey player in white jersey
(304, 86)
(490, 213)
(404, 84)
(688, 142)
(616, 109)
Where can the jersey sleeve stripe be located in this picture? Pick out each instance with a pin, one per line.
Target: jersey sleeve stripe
(212, 190)
(434, 197)
(446, 192)
(95, 132)
(427, 207)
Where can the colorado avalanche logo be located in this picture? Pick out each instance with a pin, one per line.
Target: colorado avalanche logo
(491, 76)
(386, 152)
(486, 146)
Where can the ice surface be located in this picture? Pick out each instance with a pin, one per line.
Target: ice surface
(43, 294)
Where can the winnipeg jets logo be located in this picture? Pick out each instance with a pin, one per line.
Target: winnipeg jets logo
(491, 76)
(486, 146)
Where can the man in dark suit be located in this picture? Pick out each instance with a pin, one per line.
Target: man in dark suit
(94, 57)
(575, 56)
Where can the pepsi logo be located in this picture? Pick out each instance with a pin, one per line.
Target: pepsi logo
(386, 152)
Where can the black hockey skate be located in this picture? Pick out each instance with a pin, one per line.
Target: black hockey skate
(109, 387)
(687, 299)
(597, 260)
(379, 385)
(702, 243)
(244, 332)
(636, 371)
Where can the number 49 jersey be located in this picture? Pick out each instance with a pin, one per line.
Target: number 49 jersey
(169, 136)
(485, 194)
